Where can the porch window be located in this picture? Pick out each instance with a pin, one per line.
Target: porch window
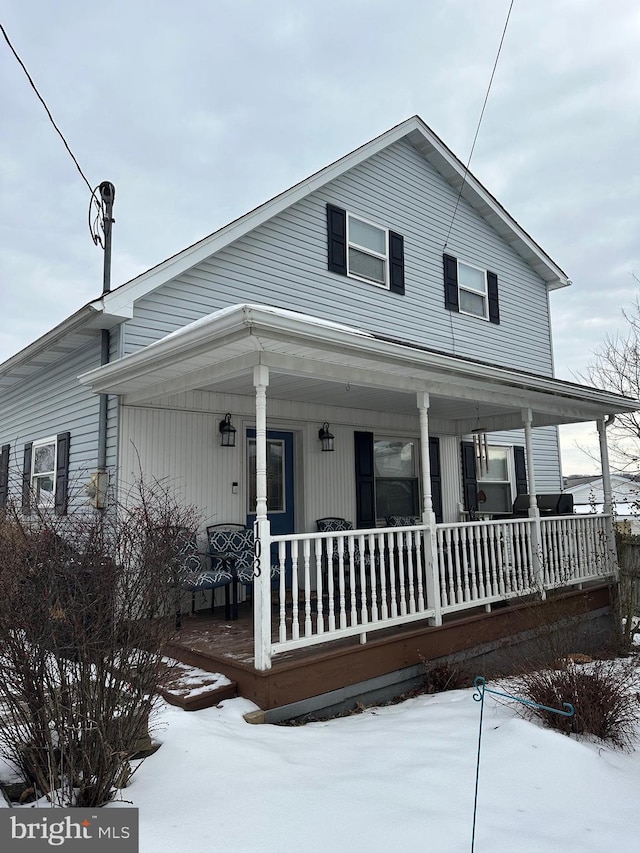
(396, 477)
(495, 483)
(275, 475)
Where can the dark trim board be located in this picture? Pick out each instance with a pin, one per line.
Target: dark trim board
(312, 673)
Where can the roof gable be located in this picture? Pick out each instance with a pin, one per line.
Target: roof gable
(430, 147)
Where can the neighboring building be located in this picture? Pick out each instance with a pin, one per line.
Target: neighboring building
(389, 300)
(588, 497)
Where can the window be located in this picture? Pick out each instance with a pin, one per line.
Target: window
(495, 483)
(275, 475)
(43, 471)
(470, 290)
(395, 469)
(363, 250)
(367, 256)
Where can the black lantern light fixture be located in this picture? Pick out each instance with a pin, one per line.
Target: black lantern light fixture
(227, 432)
(325, 437)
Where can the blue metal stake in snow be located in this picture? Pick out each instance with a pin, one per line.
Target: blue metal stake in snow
(480, 683)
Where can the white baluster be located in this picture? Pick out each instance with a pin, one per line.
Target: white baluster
(308, 629)
(318, 547)
(282, 592)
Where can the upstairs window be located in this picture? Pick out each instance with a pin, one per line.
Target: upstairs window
(367, 255)
(360, 249)
(470, 290)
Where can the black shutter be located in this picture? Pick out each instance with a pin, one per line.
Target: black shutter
(337, 239)
(4, 474)
(26, 478)
(62, 473)
(365, 489)
(396, 263)
(521, 470)
(492, 287)
(450, 267)
(436, 477)
(469, 482)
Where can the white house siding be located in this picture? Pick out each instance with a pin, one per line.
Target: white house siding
(284, 263)
(546, 453)
(177, 440)
(53, 401)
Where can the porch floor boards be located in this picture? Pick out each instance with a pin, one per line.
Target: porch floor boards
(215, 644)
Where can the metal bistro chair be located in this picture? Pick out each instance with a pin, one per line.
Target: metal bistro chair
(334, 524)
(193, 577)
(231, 550)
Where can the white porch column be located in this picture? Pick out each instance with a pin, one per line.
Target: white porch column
(606, 485)
(262, 532)
(429, 543)
(534, 512)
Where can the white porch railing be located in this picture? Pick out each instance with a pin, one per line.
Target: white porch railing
(336, 585)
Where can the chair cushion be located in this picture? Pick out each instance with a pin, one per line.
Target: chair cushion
(401, 520)
(333, 525)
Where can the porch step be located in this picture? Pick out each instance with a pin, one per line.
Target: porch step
(192, 688)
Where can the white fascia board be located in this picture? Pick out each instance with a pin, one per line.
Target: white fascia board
(75, 323)
(253, 322)
(549, 271)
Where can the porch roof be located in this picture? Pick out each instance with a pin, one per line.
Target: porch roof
(313, 360)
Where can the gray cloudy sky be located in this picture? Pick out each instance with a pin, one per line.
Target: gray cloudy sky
(200, 110)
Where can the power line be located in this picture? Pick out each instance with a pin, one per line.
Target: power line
(486, 98)
(48, 111)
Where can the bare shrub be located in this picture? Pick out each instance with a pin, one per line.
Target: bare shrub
(87, 603)
(443, 675)
(604, 693)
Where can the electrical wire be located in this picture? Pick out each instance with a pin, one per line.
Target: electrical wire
(48, 111)
(486, 98)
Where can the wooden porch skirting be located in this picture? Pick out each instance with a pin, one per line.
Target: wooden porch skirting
(492, 643)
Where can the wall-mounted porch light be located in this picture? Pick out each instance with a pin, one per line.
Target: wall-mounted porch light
(227, 432)
(325, 437)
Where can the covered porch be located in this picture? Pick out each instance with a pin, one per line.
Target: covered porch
(269, 369)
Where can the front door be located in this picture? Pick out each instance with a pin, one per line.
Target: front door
(280, 495)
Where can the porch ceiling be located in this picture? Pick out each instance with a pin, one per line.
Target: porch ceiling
(314, 361)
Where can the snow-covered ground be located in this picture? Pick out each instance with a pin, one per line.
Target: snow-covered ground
(397, 778)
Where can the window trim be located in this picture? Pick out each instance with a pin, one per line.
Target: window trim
(366, 251)
(452, 289)
(484, 295)
(510, 481)
(33, 476)
(417, 478)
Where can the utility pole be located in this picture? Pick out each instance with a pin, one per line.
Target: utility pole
(101, 478)
(108, 195)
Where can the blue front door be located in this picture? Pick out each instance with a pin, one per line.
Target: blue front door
(280, 494)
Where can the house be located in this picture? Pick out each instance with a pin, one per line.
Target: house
(374, 345)
(588, 497)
